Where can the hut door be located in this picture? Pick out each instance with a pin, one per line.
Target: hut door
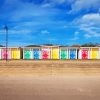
(4, 54)
(55, 53)
(72, 54)
(84, 54)
(36, 54)
(27, 54)
(45, 54)
(94, 54)
(63, 54)
(14, 53)
(0, 54)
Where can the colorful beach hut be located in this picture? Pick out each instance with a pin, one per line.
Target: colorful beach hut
(36, 52)
(27, 53)
(84, 53)
(0, 53)
(55, 52)
(32, 52)
(94, 53)
(99, 53)
(45, 52)
(15, 53)
(6, 54)
(73, 52)
(63, 53)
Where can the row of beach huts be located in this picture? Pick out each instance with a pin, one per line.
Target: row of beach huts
(49, 52)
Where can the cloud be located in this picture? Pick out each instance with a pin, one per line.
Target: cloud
(76, 36)
(45, 32)
(16, 10)
(20, 14)
(89, 32)
(41, 17)
(90, 19)
(88, 25)
(58, 1)
(77, 33)
(46, 5)
(86, 5)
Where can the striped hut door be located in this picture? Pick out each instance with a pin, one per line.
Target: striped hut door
(84, 54)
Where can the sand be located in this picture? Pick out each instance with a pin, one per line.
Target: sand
(49, 67)
(50, 88)
(50, 80)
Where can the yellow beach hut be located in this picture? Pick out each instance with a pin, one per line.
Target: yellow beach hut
(94, 53)
(15, 53)
(55, 52)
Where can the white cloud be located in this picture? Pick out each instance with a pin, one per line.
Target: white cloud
(90, 19)
(89, 32)
(77, 33)
(46, 5)
(53, 3)
(80, 5)
(89, 25)
(45, 32)
(25, 10)
(76, 36)
(58, 1)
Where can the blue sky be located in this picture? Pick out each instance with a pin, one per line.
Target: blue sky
(63, 22)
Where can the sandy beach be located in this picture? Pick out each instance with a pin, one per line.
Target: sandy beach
(49, 67)
(50, 80)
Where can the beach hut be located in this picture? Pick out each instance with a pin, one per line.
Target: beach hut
(45, 52)
(15, 53)
(99, 53)
(80, 54)
(94, 53)
(84, 53)
(27, 53)
(36, 51)
(73, 53)
(6, 54)
(0, 53)
(55, 52)
(63, 53)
